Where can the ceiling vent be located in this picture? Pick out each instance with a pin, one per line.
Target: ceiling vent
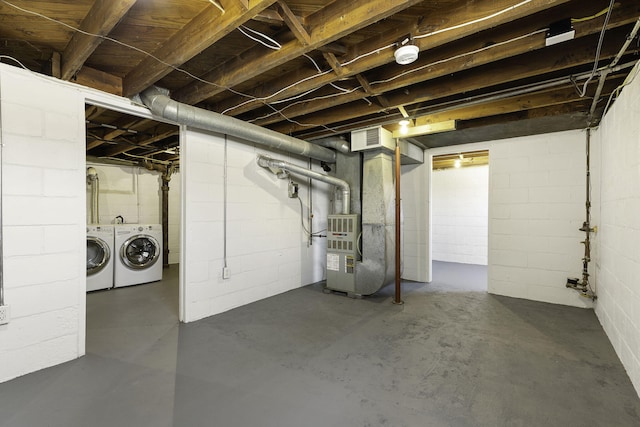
(372, 138)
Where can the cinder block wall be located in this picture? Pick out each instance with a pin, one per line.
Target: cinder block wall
(616, 209)
(536, 207)
(460, 200)
(43, 179)
(129, 191)
(414, 189)
(267, 251)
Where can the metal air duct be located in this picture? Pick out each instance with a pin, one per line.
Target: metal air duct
(377, 268)
(336, 142)
(161, 105)
(344, 187)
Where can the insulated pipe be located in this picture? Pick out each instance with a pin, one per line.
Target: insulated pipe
(336, 142)
(189, 115)
(92, 177)
(267, 162)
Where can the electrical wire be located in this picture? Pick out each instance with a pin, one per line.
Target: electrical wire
(589, 18)
(275, 45)
(126, 45)
(475, 21)
(310, 234)
(616, 92)
(404, 73)
(583, 91)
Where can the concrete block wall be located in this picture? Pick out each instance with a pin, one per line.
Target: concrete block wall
(616, 245)
(135, 194)
(414, 185)
(536, 207)
(460, 200)
(129, 191)
(43, 179)
(267, 252)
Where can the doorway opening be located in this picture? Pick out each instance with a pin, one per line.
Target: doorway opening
(459, 220)
(134, 196)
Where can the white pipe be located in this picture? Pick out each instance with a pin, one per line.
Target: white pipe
(265, 161)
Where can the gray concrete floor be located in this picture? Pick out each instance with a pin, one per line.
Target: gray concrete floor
(448, 357)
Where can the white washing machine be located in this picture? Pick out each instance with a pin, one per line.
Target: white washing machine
(100, 256)
(139, 254)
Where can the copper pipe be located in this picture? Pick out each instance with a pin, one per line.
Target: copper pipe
(398, 296)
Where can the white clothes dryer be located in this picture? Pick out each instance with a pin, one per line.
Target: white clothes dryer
(100, 255)
(139, 254)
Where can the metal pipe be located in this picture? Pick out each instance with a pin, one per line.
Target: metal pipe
(610, 68)
(92, 178)
(265, 161)
(398, 293)
(189, 115)
(583, 286)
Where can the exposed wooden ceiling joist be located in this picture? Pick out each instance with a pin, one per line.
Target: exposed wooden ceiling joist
(484, 63)
(101, 19)
(203, 31)
(329, 24)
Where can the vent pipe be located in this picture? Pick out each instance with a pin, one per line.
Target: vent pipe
(336, 142)
(94, 183)
(267, 162)
(163, 106)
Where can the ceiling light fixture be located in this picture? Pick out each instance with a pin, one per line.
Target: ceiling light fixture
(404, 126)
(407, 52)
(437, 127)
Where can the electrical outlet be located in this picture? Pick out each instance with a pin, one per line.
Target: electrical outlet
(225, 273)
(4, 314)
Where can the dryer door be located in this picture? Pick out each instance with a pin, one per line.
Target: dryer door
(140, 252)
(97, 255)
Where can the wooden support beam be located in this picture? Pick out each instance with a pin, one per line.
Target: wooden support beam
(101, 19)
(203, 31)
(269, 16)
(333, 62)
(294, 24)
(334, 21)
(99, 80)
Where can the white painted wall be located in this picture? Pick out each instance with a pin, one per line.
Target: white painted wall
(129, 191)
(460, 199)
(135, 194)
(44, 242)
(267, 252)
(616, 209)
(536, 206)
(414, 189)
